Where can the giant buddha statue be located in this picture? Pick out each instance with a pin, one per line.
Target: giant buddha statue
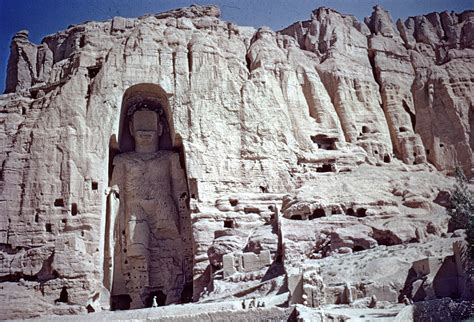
(152, 255)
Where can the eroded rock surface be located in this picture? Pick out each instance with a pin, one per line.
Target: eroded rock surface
(307, 154)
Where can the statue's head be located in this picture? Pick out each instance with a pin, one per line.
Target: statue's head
(145, 126)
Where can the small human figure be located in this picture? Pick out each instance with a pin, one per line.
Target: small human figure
(154, 303)
(263, 304)
(252, 303)
(406, 300)
(373, 302)
(243, 304)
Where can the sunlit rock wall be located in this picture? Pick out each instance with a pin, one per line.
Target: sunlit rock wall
(256, 114)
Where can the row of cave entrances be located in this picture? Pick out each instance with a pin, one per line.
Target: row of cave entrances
(60, 203)
(320, 212)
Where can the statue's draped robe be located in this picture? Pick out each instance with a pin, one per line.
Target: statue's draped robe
(148, 253)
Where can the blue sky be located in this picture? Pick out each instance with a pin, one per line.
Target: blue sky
(44, 17)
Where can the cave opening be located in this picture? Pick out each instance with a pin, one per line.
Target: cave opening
(317, 213)
(187, 293)
(324, 142)
(228, 223)
(357, 248)
(326, 167)
(361, 212)
(233, 202)
(74, 209)
(59, 202)
(159, 296)
(120, 302)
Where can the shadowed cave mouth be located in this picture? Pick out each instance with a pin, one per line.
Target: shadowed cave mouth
(317, 213)
(357, 248)
(360, 212)
(324, 142)
(159, 296)
(325, 167)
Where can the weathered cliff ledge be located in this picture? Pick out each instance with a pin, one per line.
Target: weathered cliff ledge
(350, 126)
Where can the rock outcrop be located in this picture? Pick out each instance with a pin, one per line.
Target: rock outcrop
(323, 144)
(421, 67)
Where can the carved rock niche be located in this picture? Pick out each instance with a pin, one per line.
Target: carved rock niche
(148, 240)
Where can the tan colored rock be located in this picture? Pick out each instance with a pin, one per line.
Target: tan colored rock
(341, 45)
(309, 144)
(21, 69)
(442, 84)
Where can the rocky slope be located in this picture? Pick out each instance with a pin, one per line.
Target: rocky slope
(349, 126)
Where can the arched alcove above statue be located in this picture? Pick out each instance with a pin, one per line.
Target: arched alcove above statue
(151, 96)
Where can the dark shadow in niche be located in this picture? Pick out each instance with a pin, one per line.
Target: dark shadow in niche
(74, 210)
(93, 70)
(160, 298)
(113, 151)
(296, 217)
(187, 293)
(120, 302)
(326, 167)
(361, 212)
(229, 223)
(357, 248)
(410, 113)
(317, 213)
(59, 202)
(324, 142)
(63, 296)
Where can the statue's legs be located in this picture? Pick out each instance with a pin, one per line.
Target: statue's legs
(137, 257)
(166, 272)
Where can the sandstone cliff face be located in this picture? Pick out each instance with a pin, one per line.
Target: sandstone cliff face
(267, 122)
(415, 70)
